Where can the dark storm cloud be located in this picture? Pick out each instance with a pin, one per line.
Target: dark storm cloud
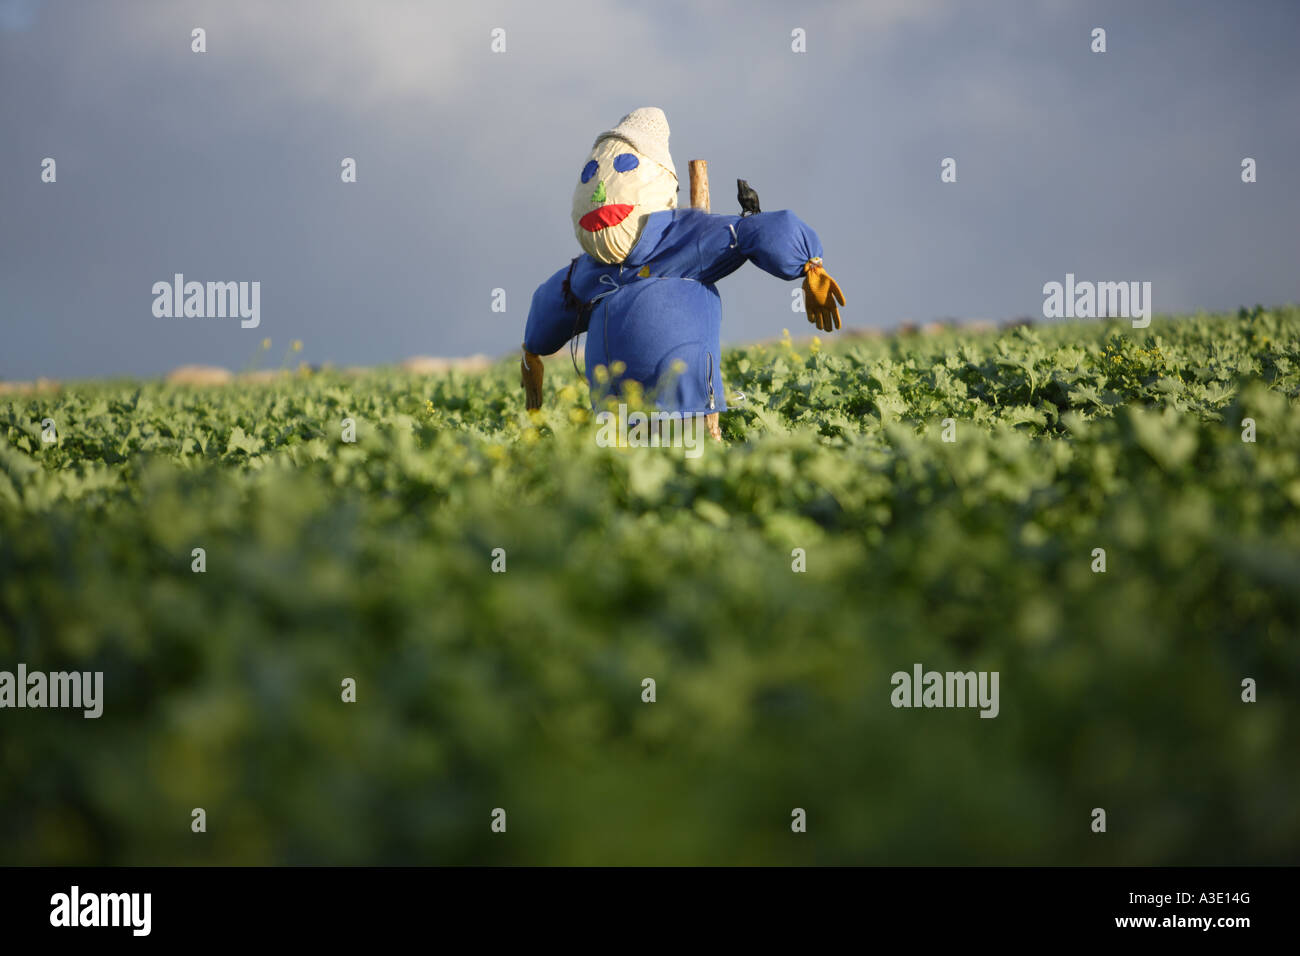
(224, 166)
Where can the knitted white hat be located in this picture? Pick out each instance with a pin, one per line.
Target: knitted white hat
(647, 130)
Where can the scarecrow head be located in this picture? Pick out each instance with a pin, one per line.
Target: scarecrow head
(627, 176)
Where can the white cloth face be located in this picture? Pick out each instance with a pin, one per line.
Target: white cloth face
(618, 188)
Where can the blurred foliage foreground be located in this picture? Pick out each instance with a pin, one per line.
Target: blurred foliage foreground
(523, 690)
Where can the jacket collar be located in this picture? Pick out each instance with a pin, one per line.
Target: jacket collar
(656, 224)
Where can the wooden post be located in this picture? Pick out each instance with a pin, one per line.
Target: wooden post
(699, 184)
(699, 170)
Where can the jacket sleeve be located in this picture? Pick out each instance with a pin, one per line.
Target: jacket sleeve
(778, 242)
(551, 323)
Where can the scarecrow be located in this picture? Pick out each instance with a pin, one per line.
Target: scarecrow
(644, 288)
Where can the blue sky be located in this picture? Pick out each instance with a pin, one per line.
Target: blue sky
(225, 165)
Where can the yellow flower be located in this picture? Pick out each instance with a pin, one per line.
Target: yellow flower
(788, 345)
(297, 345)
(266, 343)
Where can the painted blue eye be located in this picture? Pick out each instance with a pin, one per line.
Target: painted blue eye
(589, 170)
(625, 162)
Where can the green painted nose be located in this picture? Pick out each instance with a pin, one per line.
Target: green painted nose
(599, 194)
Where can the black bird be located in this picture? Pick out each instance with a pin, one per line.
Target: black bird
(748, 198)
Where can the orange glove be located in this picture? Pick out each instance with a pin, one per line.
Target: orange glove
(530, 374)
(820, 293)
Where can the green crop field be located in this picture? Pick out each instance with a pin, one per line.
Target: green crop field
(522, 689)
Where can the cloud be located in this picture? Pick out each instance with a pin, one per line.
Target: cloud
(18, 15)
(227, 163)
(367, 56)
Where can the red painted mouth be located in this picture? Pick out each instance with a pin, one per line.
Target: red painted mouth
(610, 214)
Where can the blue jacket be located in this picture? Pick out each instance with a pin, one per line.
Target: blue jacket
(660, 306)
